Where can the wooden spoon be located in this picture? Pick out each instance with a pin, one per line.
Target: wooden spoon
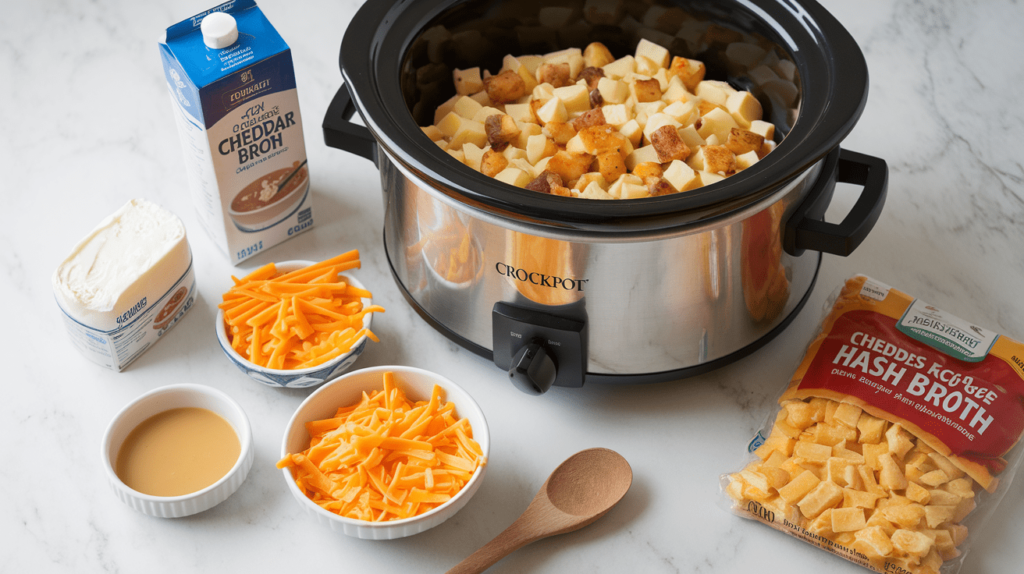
(581, 490)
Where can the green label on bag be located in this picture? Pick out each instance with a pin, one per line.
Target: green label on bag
(946, 333)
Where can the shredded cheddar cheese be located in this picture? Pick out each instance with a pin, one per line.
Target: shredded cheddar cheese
(298, 319)
(386, 458)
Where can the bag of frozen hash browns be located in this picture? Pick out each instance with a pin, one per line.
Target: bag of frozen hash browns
(894, 436)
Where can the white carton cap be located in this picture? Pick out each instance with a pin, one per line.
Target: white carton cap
(219, 30)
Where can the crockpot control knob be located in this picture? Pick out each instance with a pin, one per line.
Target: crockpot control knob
(533, 370)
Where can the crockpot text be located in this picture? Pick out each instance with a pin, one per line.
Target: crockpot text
(540, 279)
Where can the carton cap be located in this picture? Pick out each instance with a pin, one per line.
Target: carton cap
(219, 30)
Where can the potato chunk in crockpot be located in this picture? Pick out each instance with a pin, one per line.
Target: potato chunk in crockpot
(582, 124)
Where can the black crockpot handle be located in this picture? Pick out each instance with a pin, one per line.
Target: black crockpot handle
(342, 134)
(804, 229)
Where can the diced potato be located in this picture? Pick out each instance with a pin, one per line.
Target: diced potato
(493, 163)
(512, 153)
(744, 107)
(561, 133)
(432, 132)
(629, 187)
(539, 147)
(848, 519)
(691, 72)
(611, 165)
(457, 154)
(612, 90)
(681, 177)
(602, 138)
(467, 81)
(594, 191)
(763, 128)
(675, 91)
(545, 182)
(744, 161)
(874, 541)
(513, 176)
(553, 111)
(445, 108)
(822, 497)
(576, 98)
(641, 155)
(481, 98)
(648, 169)
(473, 155)
(669, 146)
(589, 118)
(683, 112)
(691, 138)
(570, 166)
(486, 112)
(500, 130)
(619, 68)
(899, 440)
(717, 122)
(646, 91)
(543, 92)
(657, 54)
(554, 75)
(632, 131)
(469, 131)
(645, 66)
(911, 543)
(715, 92)
(506, 87)
(521, 112)
(657, 121)
(597, 55)
(526, 131)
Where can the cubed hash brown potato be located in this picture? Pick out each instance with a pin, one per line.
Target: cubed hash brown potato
(492, 163)
(505, 87)
(592, 76)
(647, 90)
(555, 74)
(500, 130)
(668, 145)
(645, 124)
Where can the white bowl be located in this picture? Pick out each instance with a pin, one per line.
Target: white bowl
(346, 390)
(164, 399)
(296, 378)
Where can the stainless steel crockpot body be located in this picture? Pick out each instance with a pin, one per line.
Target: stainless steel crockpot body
(563, 290)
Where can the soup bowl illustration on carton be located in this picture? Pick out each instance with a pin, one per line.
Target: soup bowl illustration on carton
(270, 199)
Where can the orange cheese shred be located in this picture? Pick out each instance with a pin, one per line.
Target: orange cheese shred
(378, 460)
(298, 319)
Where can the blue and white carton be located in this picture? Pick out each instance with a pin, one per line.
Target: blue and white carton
(232, 85)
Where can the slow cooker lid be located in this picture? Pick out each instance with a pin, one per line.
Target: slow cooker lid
(386, 38)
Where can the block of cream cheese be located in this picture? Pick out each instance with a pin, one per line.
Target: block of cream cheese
(126, 284)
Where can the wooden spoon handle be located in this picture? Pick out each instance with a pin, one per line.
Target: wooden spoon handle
(511, 539)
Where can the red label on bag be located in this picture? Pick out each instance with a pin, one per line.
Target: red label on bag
(976, 409)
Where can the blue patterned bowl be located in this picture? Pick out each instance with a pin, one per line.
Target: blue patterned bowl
(295, 378)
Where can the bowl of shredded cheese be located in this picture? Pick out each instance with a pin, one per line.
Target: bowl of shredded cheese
(385, 452)
(296, 324)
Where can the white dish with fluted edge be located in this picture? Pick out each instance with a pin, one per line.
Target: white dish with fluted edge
(164, 399)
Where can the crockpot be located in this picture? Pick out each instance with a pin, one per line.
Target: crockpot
(563, 291)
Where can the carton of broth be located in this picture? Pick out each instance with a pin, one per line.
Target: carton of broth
(232, 86)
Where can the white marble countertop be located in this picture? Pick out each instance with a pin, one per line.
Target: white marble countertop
(87, 126)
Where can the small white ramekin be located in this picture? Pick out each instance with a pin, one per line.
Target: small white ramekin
(346, 390)
(296, 378)
(158, 401)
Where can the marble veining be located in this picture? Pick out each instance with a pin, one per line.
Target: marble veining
(87, 126)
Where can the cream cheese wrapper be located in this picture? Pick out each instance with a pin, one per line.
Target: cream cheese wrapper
(126, 284)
